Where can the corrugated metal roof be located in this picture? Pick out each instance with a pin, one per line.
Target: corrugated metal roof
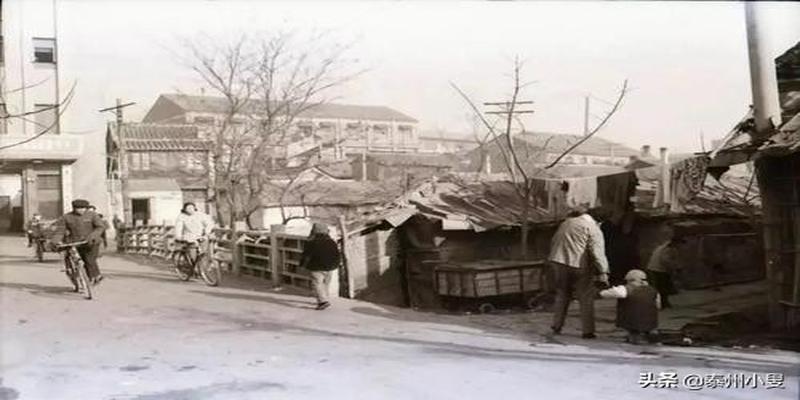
(211, 104)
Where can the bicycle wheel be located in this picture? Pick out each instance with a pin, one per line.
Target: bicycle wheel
(72, 275)
(182, 266)
(83, 280)
(209, 270)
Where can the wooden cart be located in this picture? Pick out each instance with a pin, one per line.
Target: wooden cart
(488, 284)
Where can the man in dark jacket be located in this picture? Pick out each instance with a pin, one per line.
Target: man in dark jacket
(79, 225)
(321, 257)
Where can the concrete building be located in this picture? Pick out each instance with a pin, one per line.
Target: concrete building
(337, 129)
(39, 162)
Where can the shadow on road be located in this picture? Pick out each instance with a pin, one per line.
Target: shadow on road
(64, 292)
(307, 304)
(543, 353)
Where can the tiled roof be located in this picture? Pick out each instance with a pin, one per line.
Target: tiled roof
(426, 160)
(211, 104)
(161, 137)
(335, 193)
(557, 143)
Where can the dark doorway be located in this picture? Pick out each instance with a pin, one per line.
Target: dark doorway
(5, 213)
(140, 208)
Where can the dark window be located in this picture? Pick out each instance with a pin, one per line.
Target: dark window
(2, 51)
(48, 195)
(44, 50)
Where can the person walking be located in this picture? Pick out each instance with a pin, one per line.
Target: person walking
(577, 254)
(78, 225)
(321, 257)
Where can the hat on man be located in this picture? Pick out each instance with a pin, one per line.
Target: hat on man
(80, 203)
(319, 228)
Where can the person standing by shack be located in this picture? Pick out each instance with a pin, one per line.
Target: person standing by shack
(578, 255)
(321, 257)
(663, 265)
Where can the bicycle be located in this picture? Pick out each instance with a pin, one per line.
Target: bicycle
(76, 268)
(187, 267)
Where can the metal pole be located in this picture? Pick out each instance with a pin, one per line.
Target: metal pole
(763, 79)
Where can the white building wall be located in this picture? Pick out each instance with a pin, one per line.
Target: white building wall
(22, 22)
(164, 205)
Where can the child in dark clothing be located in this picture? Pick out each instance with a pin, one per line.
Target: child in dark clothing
(638, 307)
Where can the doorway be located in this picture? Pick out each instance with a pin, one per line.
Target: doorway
(5, 213)
(140, 208)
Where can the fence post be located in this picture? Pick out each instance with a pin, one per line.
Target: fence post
(275, 264)
(346, 285)
(237, 250)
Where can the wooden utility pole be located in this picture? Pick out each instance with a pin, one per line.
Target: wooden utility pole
(122, 160)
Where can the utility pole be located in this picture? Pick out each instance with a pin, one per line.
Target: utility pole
(505, 110)
(122, 159)
(586, 116)
(763, 79)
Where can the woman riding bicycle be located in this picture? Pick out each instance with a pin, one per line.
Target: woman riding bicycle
(192, 227)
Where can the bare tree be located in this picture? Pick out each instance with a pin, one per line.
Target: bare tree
(521, 161)
(268, 82)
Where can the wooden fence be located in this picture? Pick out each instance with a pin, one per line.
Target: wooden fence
(243, 252)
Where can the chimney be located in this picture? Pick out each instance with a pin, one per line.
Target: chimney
(487, 164)
(645, 151)
(666, 176)
(763, 79)
(664, 155)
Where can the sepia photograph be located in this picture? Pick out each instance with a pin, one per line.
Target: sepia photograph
(399, 199)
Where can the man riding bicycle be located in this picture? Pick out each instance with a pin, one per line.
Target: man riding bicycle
(34, 229)
(79, 225)
(192, 227)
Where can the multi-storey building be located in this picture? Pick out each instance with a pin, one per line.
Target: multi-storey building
(338, 129)
(41, 167)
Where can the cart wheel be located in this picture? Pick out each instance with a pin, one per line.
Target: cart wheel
(486, 308)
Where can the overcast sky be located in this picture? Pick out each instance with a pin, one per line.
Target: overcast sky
(687, 62)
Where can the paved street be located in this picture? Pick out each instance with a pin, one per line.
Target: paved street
(149, 336)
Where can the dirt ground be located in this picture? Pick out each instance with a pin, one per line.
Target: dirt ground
(147, 335)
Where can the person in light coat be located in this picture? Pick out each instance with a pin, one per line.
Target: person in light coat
(577, 254)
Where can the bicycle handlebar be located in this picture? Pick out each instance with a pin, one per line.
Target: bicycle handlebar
(62, 246)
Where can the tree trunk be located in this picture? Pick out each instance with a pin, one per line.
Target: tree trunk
(524, 226)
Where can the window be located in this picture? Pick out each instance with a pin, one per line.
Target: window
(139, 161)
(2, 51)
(204, 120)
(46, 118)
(44, 50)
